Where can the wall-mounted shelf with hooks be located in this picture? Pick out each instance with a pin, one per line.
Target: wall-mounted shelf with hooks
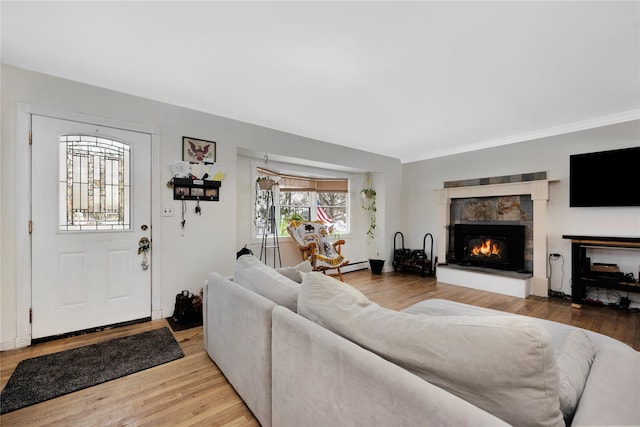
(196, 189)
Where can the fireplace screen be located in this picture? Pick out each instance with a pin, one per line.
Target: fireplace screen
(484, 248)
(494, 246)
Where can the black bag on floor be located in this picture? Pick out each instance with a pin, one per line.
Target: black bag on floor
(184, 311)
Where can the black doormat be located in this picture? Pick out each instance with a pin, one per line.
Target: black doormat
(46, 377)
(186, 325)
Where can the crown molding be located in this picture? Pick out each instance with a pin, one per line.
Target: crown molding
(612, 119)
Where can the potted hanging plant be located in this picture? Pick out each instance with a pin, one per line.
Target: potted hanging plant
(368, 194)
(266, 182)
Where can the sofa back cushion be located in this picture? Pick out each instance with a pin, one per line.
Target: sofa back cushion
(293, 273)
(252, 274)
(502, 364)
(573, 350)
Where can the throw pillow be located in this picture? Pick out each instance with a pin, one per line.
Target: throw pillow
(326, 245)
(293, 273)
(502, 364)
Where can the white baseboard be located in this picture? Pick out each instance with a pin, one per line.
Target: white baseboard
(355, 266)
(18, 342)
(7, 345)
(24, 341)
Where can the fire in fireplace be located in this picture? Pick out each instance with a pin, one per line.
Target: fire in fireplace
(489, 245)
(485, 248)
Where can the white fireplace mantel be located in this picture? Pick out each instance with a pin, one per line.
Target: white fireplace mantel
(539, 191)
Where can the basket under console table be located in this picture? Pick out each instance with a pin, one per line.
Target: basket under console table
(582, 274)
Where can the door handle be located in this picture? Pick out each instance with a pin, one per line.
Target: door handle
(144, 244)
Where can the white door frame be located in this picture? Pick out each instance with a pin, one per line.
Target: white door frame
(23, 207)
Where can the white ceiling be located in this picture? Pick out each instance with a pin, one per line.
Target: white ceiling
(409, 80)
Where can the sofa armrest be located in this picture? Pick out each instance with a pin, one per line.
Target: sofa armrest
(321, 379)
(205, 296)
(237, 333)
(612, 393)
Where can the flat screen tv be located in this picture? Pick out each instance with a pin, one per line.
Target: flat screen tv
(605, 178)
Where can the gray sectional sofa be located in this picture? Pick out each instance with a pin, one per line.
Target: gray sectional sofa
(319, 353)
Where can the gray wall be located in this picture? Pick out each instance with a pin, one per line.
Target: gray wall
(406, 202)
(420, 179)
(210, 240)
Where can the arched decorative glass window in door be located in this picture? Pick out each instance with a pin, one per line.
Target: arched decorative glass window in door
(94, 184)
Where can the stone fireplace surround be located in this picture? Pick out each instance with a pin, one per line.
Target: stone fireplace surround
(487, 279)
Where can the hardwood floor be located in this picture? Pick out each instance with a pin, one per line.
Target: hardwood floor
(192, 391)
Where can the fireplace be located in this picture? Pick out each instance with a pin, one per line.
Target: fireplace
(489, 245)
(537, 281)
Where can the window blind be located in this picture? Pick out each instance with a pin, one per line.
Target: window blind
(302, 183)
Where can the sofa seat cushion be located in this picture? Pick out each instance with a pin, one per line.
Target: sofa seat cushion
(501, 364)
(573, 350)
(252, 274)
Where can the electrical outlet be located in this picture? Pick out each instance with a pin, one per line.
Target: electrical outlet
(167, 211)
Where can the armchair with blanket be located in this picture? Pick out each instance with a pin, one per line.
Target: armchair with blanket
(314, 242)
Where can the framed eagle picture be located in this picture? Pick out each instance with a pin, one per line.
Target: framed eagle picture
(198, 150)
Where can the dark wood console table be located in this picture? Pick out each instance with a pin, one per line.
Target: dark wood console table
(582, 277)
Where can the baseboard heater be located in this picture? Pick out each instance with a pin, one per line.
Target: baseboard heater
(355, 266)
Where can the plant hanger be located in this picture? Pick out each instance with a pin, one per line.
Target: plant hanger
(368, 194)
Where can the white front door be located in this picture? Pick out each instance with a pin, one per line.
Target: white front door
(91, 194)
